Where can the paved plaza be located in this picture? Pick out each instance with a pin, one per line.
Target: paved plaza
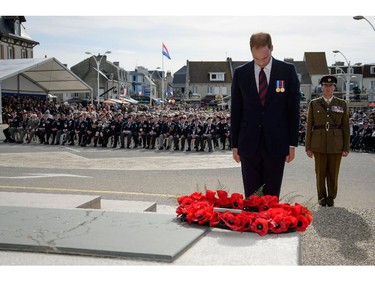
(343, 235)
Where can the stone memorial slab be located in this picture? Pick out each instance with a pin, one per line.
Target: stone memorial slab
(148, 236)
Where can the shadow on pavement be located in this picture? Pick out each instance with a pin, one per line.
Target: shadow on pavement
(349, 230)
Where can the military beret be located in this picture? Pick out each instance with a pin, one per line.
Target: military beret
(328, 79)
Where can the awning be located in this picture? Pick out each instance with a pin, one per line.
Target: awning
(43, 75)
(129, 99)
(38, 76)
(120, 101)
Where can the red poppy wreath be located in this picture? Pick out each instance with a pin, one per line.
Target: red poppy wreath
(260, 214)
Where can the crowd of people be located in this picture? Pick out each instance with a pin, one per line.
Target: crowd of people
(171, 127)
(362, 130)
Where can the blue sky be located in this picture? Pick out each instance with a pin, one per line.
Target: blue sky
(210, 34)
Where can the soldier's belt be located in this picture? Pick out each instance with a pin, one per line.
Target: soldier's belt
(327, 127)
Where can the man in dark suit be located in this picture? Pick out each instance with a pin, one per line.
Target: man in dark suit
(265, 117)
(327, 139)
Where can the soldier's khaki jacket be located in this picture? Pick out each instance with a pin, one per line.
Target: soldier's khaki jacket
(327, 128)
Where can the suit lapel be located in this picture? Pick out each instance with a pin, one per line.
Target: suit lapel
(271, 85)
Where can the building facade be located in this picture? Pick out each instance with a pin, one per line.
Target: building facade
(113, 80)
(14, 41)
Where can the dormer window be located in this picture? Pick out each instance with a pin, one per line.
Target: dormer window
(372, 70)
(217, 76)
(339, 70)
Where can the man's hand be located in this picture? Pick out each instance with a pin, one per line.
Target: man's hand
(309, 153)
(291, 155)
(236, 156)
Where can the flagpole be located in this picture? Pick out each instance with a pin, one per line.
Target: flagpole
(162, 74)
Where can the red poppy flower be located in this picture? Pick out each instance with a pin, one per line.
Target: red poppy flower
(291, 222)
(184, 200)
(303, 223)
(264, 215)
(181, 211)
(306, 212)
(255, 201)
(210, 195)
(278, 225)
(224, 200)
(215, 219)
(199, 212)
(237, 201)
(269, 201)
(231, 220)
(197, 196)
(260, 226)
(287, 208)
(247, 219)
(277, 211)
(222, 194)
(296, 210)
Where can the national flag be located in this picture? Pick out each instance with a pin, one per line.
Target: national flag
(165, 51)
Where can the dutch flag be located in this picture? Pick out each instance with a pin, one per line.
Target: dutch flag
(165, 51)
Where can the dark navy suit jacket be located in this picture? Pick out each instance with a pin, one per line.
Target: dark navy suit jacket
(277, 120)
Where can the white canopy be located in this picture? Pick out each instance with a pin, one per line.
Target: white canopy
(38, 76)
(129, 99)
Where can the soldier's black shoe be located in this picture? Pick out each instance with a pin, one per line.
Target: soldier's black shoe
(330, 202)
(322, 202)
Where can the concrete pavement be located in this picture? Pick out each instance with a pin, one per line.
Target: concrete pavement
(326, 242)
(216, 247)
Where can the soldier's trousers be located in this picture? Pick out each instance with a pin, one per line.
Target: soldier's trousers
(327, 166)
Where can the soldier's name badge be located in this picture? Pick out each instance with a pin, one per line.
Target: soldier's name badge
(280, 86)
(336, 108)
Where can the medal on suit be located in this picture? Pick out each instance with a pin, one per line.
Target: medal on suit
(282, 86)
(278, 86)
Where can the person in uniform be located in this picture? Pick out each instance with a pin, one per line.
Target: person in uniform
(327, 139)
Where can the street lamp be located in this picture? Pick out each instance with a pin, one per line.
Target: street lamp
(347, 76)
(152, 75)
(98, 61)
(363, 18)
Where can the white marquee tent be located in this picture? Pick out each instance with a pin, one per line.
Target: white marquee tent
(38, 76)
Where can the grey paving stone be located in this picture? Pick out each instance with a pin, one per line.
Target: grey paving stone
(96, 233)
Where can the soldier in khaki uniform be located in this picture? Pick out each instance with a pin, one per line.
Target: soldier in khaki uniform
(327, 139)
